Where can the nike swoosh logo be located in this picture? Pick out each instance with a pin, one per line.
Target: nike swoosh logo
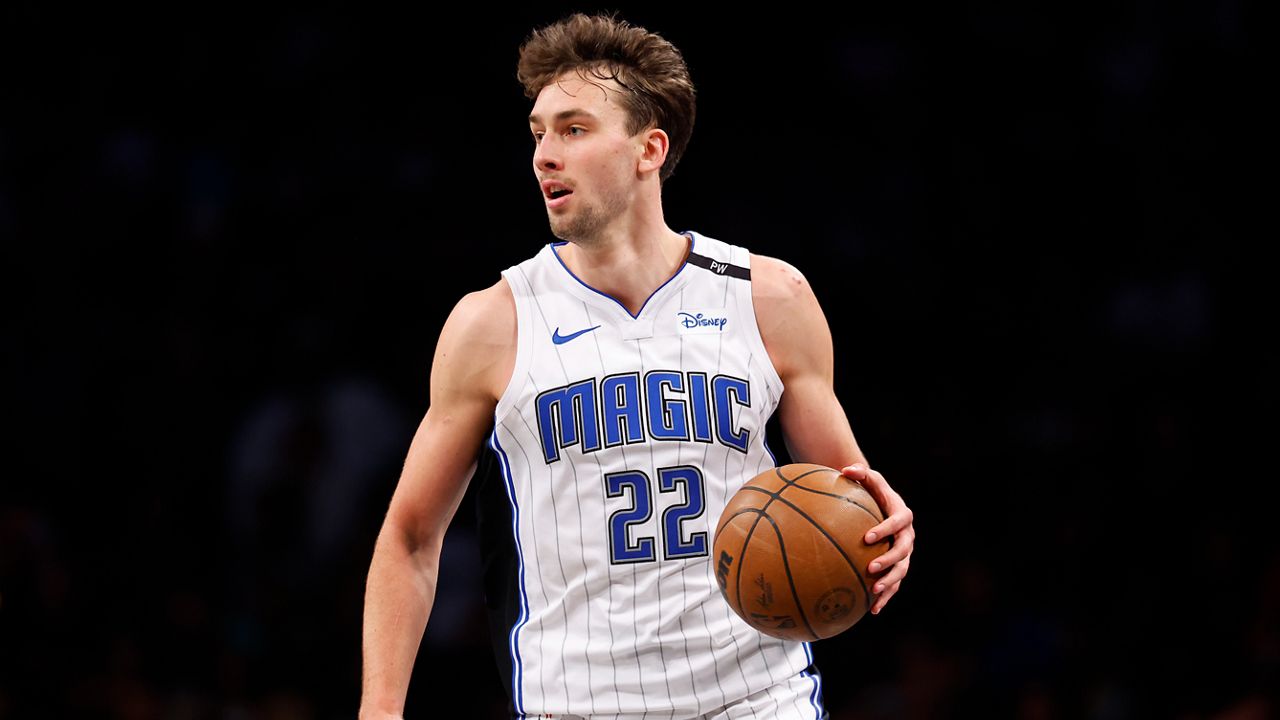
(559, 339)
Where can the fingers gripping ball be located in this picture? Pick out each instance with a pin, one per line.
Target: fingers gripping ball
(789, 553)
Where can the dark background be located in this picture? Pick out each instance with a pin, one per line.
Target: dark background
(230, 241)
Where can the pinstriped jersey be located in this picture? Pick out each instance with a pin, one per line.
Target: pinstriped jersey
(620, 438)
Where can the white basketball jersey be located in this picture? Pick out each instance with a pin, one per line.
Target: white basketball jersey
(620, 439)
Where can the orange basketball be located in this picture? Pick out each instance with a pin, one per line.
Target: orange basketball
(789, 552)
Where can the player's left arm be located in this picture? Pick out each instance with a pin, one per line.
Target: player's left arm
(814, 425)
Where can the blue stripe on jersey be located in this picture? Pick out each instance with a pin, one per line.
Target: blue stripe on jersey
(693, 239)
(517, 696)
(815, 697)
(764, 440)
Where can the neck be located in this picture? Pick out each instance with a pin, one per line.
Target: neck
(628, 267)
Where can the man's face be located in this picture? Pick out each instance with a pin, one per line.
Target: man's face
(579, 128)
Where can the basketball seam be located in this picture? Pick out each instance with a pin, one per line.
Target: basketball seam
(792, 481)
(737, 571)
(853, 566)
(879, 517)
(837, 496)
(786, 567)
(761, 513)
(737, 582)
(778, 471)
(833, 543)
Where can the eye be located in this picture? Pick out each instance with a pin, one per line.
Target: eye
(576, 127)
(537, 137)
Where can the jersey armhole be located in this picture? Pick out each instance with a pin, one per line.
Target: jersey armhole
(740, 256)
(524, 344)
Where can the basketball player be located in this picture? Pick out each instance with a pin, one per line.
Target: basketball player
(622, 379)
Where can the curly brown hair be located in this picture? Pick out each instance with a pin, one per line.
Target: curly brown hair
(650, 69)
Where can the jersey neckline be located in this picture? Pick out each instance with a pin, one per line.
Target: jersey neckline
(693, 240)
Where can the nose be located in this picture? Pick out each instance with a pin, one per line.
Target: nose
(546, 156)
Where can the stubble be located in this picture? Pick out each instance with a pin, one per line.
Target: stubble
(585, 225)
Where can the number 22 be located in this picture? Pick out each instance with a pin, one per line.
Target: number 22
(674, 546)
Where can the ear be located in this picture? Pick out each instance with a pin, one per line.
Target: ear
(654, 144)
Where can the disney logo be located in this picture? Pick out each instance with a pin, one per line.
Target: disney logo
(692, 321)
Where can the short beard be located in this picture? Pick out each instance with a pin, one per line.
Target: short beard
(586, 227)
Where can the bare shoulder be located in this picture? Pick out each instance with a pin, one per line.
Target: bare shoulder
(774, 280)
(788, 315)
(478, 342)
(780, 292)
(484, 314)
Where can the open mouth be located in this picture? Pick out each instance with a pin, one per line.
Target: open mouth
(558, 197)
(554, 190)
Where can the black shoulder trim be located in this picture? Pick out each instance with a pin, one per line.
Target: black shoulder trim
(719, 268)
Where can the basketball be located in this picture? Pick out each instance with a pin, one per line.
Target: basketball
(789, 553)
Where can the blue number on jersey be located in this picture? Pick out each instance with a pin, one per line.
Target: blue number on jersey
(640, 511)
(691, 478)
(670, 479)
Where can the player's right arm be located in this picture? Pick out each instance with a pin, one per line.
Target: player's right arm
(473, 363)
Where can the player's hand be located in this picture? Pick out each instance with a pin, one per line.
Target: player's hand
(898, 523)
